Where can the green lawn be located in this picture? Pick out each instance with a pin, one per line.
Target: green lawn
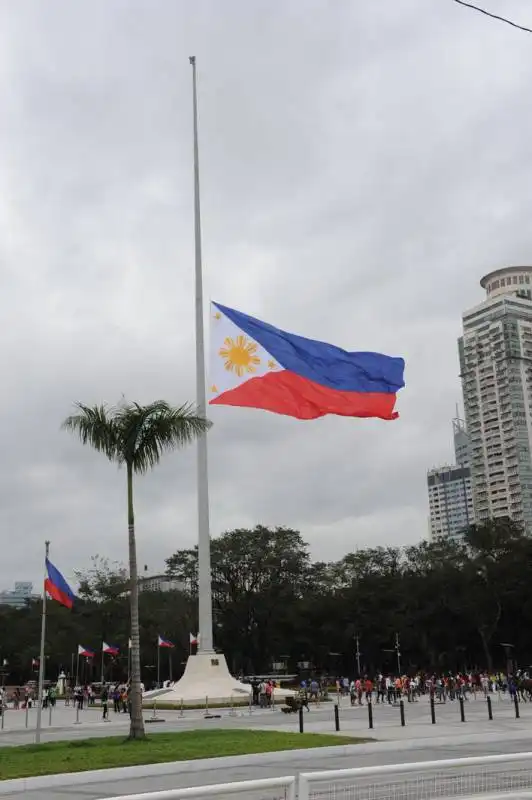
(79, 755)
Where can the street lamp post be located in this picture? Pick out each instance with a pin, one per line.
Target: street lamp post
(397, 650)
(357, 654)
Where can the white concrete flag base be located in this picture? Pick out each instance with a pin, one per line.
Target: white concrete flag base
(207, 676)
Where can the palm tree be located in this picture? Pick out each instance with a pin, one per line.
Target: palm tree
(136, 436)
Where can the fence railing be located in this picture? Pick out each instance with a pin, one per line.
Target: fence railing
(263, 789)
(478, 777)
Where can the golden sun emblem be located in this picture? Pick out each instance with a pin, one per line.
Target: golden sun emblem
(239, 355)
(271, 364)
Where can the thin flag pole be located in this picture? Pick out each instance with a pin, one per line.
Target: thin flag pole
(128, 658)
(103, 657)
(77, 668)
(41, 657)
(158, 664)
(170, 665)
(204, 541)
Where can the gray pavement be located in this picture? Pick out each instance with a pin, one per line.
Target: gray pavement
(419, 740)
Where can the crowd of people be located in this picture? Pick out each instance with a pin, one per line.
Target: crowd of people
(441, 687)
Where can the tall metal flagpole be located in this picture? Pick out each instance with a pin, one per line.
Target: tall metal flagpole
(205, 644)
(41, 657)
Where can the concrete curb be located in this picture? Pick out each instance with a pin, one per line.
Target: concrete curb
(21, 785)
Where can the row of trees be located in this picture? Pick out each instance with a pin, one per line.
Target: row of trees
(454, 604)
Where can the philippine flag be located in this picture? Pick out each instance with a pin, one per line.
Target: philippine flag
(164, 642)
(193, 639)
(110, 649)
(259, 366)
(57, 587)
(84, 651)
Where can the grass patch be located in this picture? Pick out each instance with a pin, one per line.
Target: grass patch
(79, 755)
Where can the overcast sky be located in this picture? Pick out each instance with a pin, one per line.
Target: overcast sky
(363, 164)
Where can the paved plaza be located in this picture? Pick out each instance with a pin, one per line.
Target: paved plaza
(419, 740)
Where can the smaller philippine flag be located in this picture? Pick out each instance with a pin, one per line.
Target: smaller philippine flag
(164, 642)
(57, 587)
(129, 644)
(110, 649)
(258, 366)
(84, 651)
(193, 639)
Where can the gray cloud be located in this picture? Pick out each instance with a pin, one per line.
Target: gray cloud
(362, 165)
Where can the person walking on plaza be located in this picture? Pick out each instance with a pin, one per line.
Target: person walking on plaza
(104, 698)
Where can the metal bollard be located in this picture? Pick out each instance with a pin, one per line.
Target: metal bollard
(490, 710)
(77, 722)
(402, 712)
(301, 719)
(432, 711)
(462, 709)
(3, 714)
(370, 715)
(49, 714)
(181, 712)
(336, 718)
(27, 711)
(516, 704)
(207, 706)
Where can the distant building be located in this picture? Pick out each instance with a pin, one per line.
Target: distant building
(449, 489)
(496, 370)
(19, 596)
(461, 442)
(160, 583)
(450, 500)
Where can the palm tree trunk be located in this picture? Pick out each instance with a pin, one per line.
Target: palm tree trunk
(136, 730)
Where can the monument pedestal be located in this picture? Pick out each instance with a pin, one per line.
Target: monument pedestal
(207, 676)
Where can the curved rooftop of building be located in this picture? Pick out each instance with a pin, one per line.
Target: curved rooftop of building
(508, 280)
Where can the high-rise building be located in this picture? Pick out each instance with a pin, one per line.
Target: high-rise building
(496, 370)
(461, 442)
(449, 489)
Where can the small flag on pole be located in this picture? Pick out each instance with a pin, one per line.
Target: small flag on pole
(193, 639)
(57, 587)
(35, 663)
(129, 644)
(110, 649)
(164, 642)
(84, 651)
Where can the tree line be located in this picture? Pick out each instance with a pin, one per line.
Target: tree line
(453, 604)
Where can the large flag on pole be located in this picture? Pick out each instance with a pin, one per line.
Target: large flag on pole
(57, 587)
(164, 642)
(256, 365)
(110, 649)
(84, 651)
